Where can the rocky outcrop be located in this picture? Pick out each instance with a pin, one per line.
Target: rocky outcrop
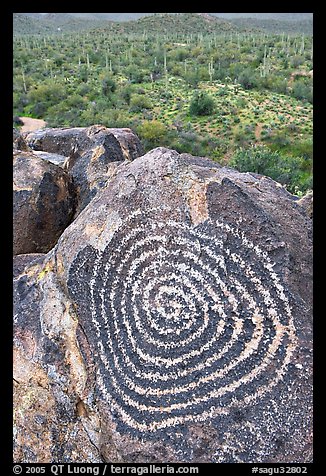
(61, 141)
(92, 168)
(307, 202)
(43, 203)
(93, 154)
(170, 323)
(78, 140)
(129, 142)
(19, 142)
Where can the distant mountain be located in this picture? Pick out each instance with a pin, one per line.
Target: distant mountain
(268, 16)
(24, 25)
(111, 16)
(38, 16)
(274, 26)
(47, 23)
(183, 23)
(135, 16)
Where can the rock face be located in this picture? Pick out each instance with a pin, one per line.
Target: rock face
(61, 141)
(20, 262)
(129, 142)
(78, 140)
(56, 159)
(19, 142)
(93, 154)
(307, 202)
(170, 323)
(43, 203)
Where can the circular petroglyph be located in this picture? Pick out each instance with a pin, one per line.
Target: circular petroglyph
(188, 322)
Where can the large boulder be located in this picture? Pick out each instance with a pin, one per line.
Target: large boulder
(93, 154)
(60, 140)
(43, 203)
(171, 322)
(78, 140)
(129, 142)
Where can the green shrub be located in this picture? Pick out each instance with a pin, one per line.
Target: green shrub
(44, 96)
(302, 89)
(152, 131)
(201, 104)
(287, 170)
(108, 86)
(138, 102)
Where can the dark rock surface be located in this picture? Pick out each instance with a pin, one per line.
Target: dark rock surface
(49, 373)
(129, 142)
(61, 141)
(78, 140)
(19, 142)
(307, 202)
(43, 203)
(92, 169)
(93, 154)
(21, 261)
(170, 323)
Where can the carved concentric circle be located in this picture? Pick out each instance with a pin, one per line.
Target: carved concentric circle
(189, 321)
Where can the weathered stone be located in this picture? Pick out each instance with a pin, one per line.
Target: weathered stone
(63, 141)
(48, 373)
(307, 202)
(93, 154)
(78, 140)
(92, 169)
(56, 159)
(43, 203)
(173, 321)
(19, 142)
(129, 142)
(21, 261)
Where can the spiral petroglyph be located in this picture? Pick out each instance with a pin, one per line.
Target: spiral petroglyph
(188, 322)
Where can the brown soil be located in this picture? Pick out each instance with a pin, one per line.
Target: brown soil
(258, 131)
(31, 124)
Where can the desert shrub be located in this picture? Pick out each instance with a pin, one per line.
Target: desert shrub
(302, 89)
(151, 132)
(108, 86)
(285, 169)
(135, 74)
(201, 104)
(247, 78)
(138, 102)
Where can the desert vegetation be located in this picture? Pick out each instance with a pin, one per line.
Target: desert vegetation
(239, 95)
